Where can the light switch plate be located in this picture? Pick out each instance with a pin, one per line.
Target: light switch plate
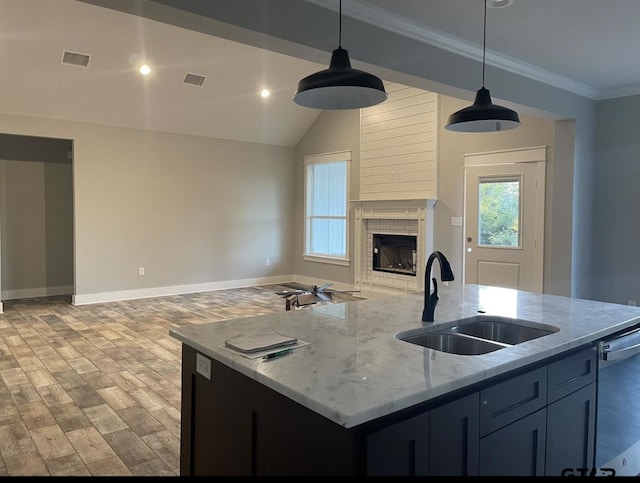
(203, 366)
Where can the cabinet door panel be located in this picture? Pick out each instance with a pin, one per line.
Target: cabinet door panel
(517, 449)
(400, 449)
(571, 431)
(454, 432)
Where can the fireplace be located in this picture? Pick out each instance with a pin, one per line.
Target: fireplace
(394, 253)
(408, 220)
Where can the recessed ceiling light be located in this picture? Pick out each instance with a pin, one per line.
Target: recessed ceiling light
(145, 69)
(265, 93)
(499, 3)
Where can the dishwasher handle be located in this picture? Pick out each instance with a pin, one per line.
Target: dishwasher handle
(621, 347)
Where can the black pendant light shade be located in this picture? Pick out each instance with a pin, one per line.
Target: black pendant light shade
(483, 115)
(340, 86)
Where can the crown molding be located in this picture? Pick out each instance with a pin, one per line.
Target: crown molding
(614, 92)
(386, 20)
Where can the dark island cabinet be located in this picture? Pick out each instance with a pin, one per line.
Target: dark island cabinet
(517, 449)
(439, 442)
(571, 414)
(453, 438)
(542, 421)
(571, 432)
(535, 421)
(231, 425)
(513, 426)
(401, 449)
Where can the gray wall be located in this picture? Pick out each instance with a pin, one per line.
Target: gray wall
(190, 210)
(616, 230)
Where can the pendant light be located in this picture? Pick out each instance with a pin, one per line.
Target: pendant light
(340, 86)
(483, 115)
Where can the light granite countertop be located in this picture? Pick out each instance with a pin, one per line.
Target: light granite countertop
(354, 370)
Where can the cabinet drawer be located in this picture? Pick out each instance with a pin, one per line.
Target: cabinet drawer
(513, 399)
(571, 373)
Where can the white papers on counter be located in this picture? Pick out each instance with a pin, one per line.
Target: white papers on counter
(259, 342)
(266, 352)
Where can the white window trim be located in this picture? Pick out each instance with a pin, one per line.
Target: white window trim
(345, 262)
(332, 157)
(507, 156)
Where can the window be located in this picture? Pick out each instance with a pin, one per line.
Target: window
(326, 207)
(499, 212)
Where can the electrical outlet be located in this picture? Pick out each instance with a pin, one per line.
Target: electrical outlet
(203, 366)
(456, 221)
(141, 271)
(267, 262)
(631, 302)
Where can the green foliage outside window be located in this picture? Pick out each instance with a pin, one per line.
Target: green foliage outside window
(499, 213)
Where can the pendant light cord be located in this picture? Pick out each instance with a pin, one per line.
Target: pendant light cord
(340, 26)
(484, 40)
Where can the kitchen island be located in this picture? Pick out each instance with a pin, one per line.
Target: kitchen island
(338, 405)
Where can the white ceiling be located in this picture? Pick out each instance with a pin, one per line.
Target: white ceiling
(34, 82)
(584, 46)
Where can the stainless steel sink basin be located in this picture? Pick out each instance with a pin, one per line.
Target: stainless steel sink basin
(504, 330)
(476, 335)
(453, 343)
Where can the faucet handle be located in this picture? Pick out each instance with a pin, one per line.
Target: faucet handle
(435, 287)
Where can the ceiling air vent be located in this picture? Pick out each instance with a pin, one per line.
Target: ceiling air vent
(194, 79)
(73, 58)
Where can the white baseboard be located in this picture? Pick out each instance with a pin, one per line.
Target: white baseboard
(27, 293)
(97, 298)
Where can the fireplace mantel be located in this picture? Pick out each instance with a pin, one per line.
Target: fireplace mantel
(405, 216)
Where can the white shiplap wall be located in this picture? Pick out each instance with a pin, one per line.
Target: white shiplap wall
(399, 146)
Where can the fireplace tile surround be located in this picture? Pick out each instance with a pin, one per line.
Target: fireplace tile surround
(401, 217)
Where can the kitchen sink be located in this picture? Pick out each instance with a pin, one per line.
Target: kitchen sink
(476, 335)
(504, 330)
(453, 343)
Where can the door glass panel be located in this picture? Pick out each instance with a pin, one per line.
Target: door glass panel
(499, 212)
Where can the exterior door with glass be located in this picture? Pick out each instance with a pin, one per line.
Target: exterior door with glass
(504, 225)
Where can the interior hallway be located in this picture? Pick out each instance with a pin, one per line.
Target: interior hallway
(94, 390)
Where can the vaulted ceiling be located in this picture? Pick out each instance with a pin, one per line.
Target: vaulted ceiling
(34, 81)
(582, 46)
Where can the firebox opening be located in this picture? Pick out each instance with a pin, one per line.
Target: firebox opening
(395, 253)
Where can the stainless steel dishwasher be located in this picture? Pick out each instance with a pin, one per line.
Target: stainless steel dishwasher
(618, 403)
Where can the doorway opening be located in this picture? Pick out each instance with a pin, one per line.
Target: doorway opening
(36, 217)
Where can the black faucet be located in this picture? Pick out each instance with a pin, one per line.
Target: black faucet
(446, 275)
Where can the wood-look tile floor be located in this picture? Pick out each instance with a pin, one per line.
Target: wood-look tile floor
(94, 390)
